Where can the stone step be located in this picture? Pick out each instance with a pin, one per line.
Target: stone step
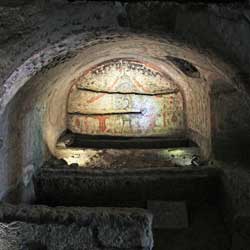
(125, 187)
(78, 228)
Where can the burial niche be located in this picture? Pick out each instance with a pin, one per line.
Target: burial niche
(125, 98)
(123, 104)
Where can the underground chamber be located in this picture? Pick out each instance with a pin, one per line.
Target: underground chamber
(124, 126)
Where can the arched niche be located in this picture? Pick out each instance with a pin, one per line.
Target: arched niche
(126, 97)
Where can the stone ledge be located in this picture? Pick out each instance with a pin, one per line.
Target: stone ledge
(76, 227)
(124, 187)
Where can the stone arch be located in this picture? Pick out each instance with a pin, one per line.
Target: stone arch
(42, 82)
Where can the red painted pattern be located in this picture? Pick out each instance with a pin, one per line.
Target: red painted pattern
(102, 122)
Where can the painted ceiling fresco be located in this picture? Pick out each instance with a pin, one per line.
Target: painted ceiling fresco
(125, 98)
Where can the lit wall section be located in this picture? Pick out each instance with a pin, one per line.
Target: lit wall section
(125, 98)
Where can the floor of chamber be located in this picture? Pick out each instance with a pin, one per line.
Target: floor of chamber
(129, 158)
(206, 231)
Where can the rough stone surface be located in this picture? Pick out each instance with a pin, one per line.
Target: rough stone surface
(125, 187)
(236, 185)
(206, 231)
(169, 214)
(235, 196)
(235, 204)
(125, 158)
(241, 227)
(75, 228)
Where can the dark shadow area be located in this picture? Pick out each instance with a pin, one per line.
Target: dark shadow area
(33, 245)
(186, 67)
(206, 231)
(70, 139)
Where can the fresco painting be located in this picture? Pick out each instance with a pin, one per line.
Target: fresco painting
(116, 103)
(126, 76)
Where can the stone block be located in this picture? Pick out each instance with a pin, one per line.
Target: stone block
(78, 228)
(125, 187)
(169, 214)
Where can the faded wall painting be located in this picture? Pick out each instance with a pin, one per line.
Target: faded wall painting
(125, 98)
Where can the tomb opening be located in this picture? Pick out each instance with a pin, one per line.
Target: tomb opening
(122, 110)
